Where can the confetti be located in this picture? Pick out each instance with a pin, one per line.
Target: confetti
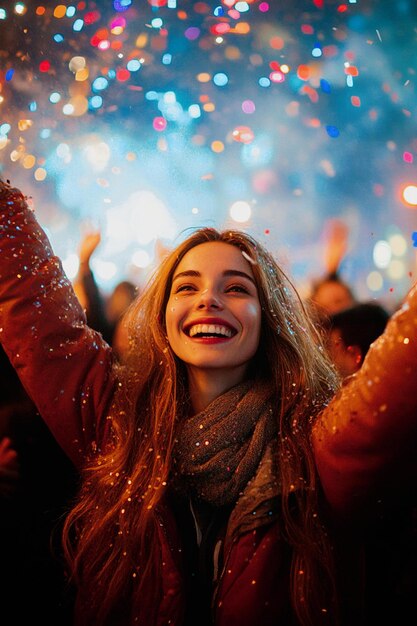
(332, 131)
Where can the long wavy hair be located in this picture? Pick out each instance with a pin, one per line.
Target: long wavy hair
(112, 534)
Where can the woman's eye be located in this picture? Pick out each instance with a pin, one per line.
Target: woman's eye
(185, 287)
(237, 288)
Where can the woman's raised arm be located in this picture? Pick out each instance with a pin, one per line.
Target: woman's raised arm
(369, 429)
(64, 365)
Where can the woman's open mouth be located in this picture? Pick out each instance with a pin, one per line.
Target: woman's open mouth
(203, 331)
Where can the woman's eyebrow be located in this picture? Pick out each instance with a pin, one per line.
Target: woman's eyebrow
(186, 273)
(238, 273)
(226, 273)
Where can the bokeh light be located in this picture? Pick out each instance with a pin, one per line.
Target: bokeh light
(410, 194)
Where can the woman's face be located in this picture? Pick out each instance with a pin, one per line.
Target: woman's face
(213, 315)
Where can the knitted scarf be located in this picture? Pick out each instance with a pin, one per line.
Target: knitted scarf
(218, 451)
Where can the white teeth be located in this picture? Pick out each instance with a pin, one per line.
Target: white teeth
(210, 329)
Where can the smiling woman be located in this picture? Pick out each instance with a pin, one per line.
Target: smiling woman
(213, 458)
(213, 319)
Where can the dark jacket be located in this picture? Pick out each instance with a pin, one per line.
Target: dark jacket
(67, 369)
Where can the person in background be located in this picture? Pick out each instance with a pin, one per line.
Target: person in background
(103, 314)
(217, 461)
(87, 289)
(9, 467)
(330, 293)
(350, 333)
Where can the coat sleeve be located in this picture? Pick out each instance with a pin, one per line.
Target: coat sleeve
(65, 366)
(370, 427)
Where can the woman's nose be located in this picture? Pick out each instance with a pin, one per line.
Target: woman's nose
(209, 299)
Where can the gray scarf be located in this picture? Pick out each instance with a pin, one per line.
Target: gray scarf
(218, 451)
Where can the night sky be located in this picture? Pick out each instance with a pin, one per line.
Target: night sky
(145, 118)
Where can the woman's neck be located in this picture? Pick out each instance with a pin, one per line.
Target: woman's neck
(207, 385)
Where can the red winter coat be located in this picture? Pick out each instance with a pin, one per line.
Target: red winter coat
(67, 369)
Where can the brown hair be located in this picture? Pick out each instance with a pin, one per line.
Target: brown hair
(111, 536)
